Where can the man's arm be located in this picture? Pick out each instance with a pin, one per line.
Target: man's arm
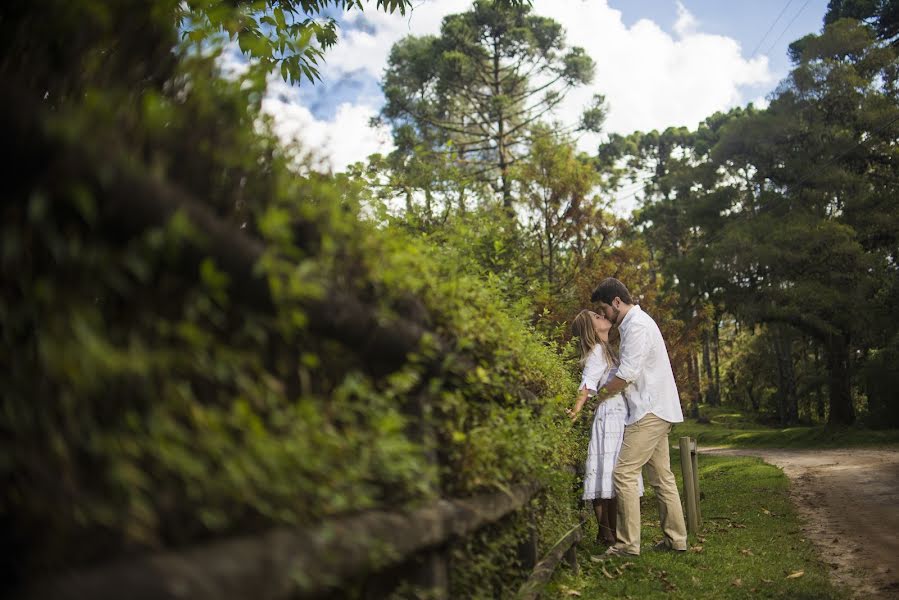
(610, 389)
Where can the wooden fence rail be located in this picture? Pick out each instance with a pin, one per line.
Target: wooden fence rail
(287, 563)
(565, 547)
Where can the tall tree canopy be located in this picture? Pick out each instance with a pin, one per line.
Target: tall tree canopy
(881, 15)
(475, 90)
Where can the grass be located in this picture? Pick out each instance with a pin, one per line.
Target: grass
(729, 427)
(750, 545)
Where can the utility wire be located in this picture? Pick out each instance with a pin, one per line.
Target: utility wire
(759, 45)
(785, 29)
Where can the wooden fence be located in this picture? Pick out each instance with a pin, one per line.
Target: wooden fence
(278, 564)
(281, 562)
(690, 469)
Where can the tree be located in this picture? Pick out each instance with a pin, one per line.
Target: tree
(554, 188)
(474, 91)
(881, 15)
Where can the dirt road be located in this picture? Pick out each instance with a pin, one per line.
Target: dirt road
(849, 503)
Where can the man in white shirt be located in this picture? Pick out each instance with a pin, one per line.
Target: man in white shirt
(654, 406)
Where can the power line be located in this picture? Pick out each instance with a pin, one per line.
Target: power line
(793, 20)
(759, 45)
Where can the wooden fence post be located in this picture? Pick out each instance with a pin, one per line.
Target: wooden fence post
(686, 463)
(571, 559)
(527, 549)
(694, 456)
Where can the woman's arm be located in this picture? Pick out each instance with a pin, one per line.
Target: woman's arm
(594, 369)
(582, 396)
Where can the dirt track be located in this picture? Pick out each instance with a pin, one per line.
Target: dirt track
(849, 504)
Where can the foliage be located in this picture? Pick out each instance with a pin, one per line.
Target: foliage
(288, 35)
(881, 15)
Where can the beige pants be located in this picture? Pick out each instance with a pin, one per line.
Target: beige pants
(646, 443)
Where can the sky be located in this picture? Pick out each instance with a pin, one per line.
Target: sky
(659, 63)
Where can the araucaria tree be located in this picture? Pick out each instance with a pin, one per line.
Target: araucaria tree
(473, 92)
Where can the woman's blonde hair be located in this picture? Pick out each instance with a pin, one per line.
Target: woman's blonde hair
(582, 328)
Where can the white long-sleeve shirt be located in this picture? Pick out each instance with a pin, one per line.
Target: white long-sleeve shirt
(645, 366)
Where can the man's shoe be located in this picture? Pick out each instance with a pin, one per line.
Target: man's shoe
(617, 551)
(664, 546)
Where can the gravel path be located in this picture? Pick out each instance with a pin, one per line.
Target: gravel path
(848, 500)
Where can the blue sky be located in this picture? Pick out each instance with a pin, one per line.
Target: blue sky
(659, 63)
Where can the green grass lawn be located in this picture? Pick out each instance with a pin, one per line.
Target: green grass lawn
(751, 546)
(729, 427)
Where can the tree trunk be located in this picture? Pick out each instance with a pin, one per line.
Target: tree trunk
(788, 408)
(693, 379)
(550, 245)
(717, 362)
(841, 410)
(753, 400)
(711, 393)
(819, 391)
(501, 134)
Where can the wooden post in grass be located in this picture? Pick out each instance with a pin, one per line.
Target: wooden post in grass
(686, 464)
(571, 558)
(694, 455)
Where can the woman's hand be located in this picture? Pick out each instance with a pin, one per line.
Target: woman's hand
(578, 404)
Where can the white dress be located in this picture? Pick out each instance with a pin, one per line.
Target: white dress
(607, 432)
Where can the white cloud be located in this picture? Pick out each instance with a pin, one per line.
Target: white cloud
(652, 79)
(335, 143)
(686, 23)
(360, 49)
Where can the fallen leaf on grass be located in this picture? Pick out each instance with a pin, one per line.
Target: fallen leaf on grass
(767, 580)
(737, 582)
(738, 526)
(597, 559)
(796, 575)
(700, 539)
(766, 511)
(568, 591)
(697, 549)
(626, 565)
(607, 574)
(746, 552)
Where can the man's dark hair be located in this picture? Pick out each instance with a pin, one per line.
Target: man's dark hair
(607, 289)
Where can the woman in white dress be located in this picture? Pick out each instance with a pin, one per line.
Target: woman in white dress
(600, 364)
